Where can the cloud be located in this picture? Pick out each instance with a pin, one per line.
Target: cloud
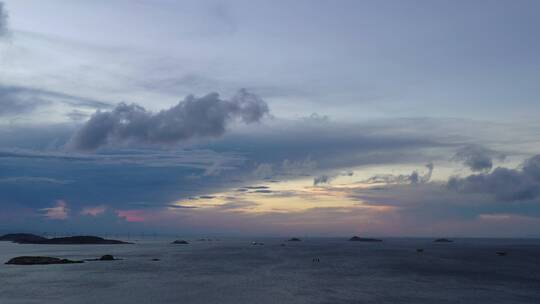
(326, 179)
(413, 178)
(504, 194)
(477, 158)
(3, 20)
(264, 171)
(316, 118)
(133, 216)
(33, 180)
(77, 115)
(59, 212)
(13, 101)
(503, 183)
(206, 116)
(322, 179)
(19, 100)
(93, 210)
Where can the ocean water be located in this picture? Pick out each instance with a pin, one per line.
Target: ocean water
(234, 271)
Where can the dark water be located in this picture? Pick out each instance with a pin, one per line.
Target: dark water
(233, 271)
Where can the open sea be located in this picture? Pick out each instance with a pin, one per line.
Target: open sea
(312, 271)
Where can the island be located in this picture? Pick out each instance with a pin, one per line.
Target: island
(362, 239)
(181, 242)
(23, 238)
(39, 260)
(294, 239)
(442, 240)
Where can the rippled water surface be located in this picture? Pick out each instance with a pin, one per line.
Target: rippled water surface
(234, 271)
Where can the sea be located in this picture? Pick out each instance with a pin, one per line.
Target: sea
(313, 270)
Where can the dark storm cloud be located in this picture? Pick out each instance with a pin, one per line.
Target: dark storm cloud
(206, 116)
(17, 100)
(477, 158)
(3, 20)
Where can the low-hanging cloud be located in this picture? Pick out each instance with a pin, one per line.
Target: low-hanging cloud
(503, 183)
(477, 158)
(206, 116)
(322, 179)
(326, 179)
(413, 178)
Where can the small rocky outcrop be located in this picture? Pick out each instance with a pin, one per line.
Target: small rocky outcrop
(501, 253)
(107, 257)
(443, 240)
(294, 239)
(362, 239)
(181, 242)
(39, 260)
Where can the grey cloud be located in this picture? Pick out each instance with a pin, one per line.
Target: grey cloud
(316, 118)
(264, 171)
(477, 158)
(503, 183)
(33, 179)
(18, 100)
(287, 167)
(263, 191)
(427, 176)
(413, 178)
(322, 179)
(196, 159)
(180, 206)
(237, 204)
(3, 20)
(13, 102)
(326, 179)
(206, 116)
(503, 191)
(77, 115)
(429, 204)
(207, 197)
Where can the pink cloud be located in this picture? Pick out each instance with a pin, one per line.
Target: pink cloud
(93, 210)
(58, 212)
(137, 216)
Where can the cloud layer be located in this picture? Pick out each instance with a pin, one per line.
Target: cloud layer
(3, 20)
(206, 116)
(16, 100)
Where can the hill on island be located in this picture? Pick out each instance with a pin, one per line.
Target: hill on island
(25, 238)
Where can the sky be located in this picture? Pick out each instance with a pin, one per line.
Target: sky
(270, 118)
